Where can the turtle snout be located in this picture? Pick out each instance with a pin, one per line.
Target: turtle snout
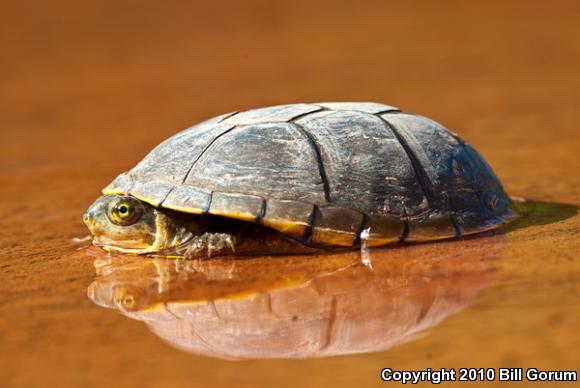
(93, 221)
(93, 216)
(88, 218)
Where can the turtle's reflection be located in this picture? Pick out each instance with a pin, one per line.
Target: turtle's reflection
(298, 306)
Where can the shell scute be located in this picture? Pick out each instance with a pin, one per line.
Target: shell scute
(288, 216)
(434, 226)
(382, 229)
(240, 206)
(188, 199)
(336, 226)
(278, 113)
(366, 107)
(455, 176)
(271, 160)
(169, 163)
(367, 168)
(152, 192)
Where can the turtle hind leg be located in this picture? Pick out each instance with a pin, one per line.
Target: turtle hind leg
(260, 240)
(227, 237)
(254, 240)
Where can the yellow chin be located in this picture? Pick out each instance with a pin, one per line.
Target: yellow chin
(135, 247)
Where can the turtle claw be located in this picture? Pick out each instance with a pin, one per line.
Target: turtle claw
(211, 243)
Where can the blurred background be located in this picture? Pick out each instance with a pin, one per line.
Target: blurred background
(87, 88)
(142, 70)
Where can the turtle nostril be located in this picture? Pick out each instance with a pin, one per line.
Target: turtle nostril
(88, 219)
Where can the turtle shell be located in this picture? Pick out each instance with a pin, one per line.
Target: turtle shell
(326, 174)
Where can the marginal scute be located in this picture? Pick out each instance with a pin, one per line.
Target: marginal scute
(471, 223)
(279, 113)
(151, 192)
(287, 216)
(335, 226)
(367, 107)
(240, 206)
(119, 185)
(435, 226)
(381, 230)
(188, 200)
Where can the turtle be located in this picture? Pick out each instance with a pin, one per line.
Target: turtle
(300, 178)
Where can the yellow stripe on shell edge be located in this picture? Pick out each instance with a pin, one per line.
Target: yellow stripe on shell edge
(112, 191)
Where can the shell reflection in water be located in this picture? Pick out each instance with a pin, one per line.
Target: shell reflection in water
(298, 306)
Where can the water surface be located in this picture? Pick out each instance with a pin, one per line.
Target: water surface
(87, 90)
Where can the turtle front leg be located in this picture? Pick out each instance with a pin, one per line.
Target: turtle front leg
(209, 244)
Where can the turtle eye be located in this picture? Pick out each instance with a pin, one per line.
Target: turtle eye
(125, 211)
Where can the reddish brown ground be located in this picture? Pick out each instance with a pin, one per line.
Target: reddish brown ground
(87, 90)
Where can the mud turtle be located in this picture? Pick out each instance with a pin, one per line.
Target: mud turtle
(298, 178)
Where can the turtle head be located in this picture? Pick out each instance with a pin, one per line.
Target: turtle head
(122, 223)
(126, 224)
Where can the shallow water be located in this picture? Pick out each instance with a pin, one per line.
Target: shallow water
(87, 91)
